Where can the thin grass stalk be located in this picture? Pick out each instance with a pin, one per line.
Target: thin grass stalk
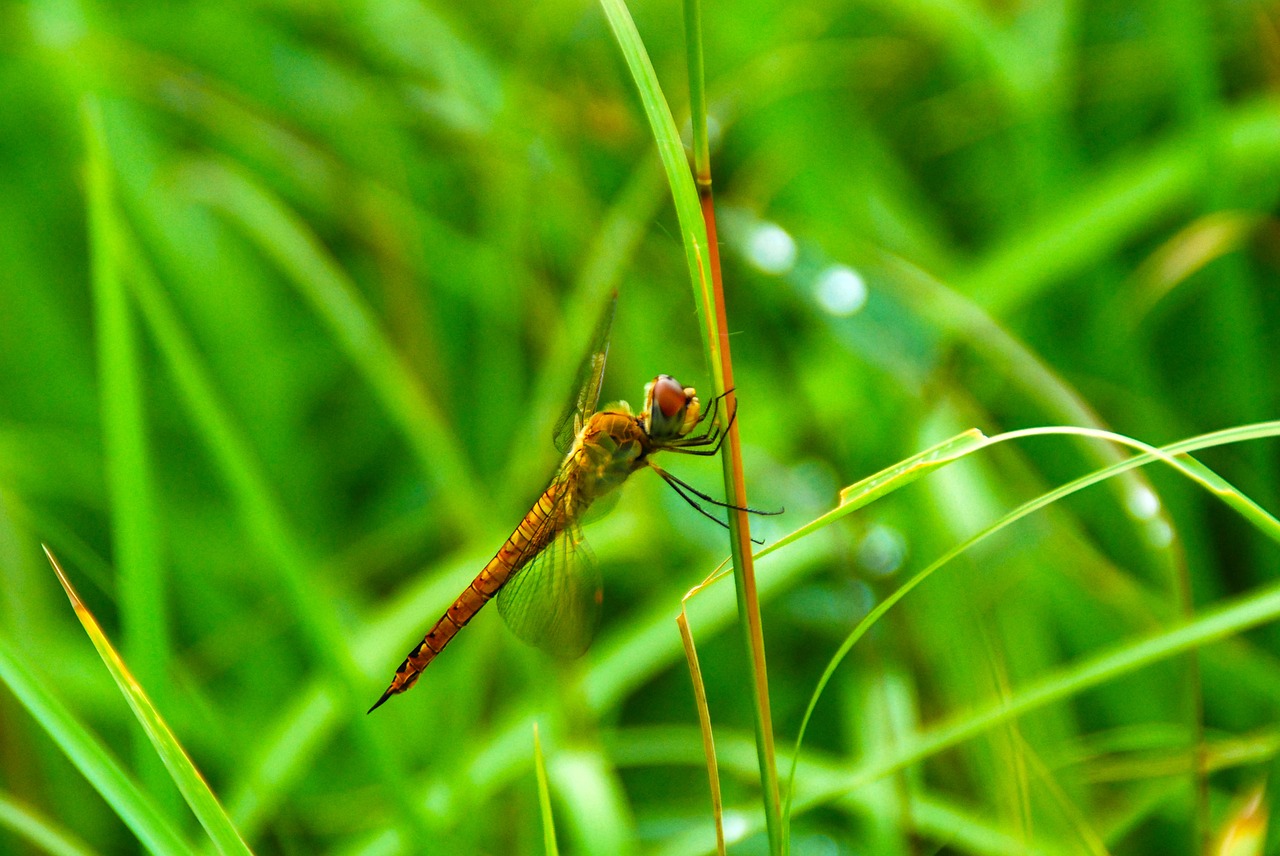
(704, 714)
(744, 576)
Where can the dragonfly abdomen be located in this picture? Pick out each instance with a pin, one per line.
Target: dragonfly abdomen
(543, 522)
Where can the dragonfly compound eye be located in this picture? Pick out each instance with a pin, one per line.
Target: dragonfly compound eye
(666, 403)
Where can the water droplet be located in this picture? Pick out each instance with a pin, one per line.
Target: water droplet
(771, 249)
(1143, 503)
(840, 290)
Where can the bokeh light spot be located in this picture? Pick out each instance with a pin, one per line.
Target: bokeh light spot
(840, 290)
(771, 249)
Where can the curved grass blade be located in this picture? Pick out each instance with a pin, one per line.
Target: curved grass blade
(884, 482)
(544, 797)
(1245, 832)
(136, 810)
(190, 783)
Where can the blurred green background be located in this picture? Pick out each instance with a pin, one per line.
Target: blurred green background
(291, 295)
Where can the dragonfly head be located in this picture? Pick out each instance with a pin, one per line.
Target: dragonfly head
(670, 410)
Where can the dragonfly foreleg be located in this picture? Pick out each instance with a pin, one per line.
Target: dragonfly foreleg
(713, 437)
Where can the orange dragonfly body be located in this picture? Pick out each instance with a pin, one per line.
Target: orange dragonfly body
(549, 589)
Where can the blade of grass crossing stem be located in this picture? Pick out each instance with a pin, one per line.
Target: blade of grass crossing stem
(133, 515)
(156, 831)
(696, 215)
(190, 783)
(731, 458)
(544, 797)
(1196, 472)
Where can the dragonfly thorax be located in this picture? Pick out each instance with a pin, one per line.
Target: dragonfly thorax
(670, 410)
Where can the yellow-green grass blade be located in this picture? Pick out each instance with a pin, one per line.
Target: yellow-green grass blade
(1245, 832)
(190, 783)
(704, 725)
(544, 797)
(157, 832)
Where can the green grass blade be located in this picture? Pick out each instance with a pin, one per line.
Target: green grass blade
(1114, 206)
(136, 545)
(158, 833)
(704, 723)
(267, 524)
(1197, 472)
(27, 823)
(693, 230)
(544, 797)
(190, 783)
(318, 277)
(696, 214)
(886, 481)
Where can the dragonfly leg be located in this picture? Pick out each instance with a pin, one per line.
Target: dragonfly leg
(674, 480)
(712, 438)
(709, 416)
(680, 492)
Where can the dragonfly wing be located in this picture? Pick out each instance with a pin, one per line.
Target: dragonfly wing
(586, 393)
(554, 601)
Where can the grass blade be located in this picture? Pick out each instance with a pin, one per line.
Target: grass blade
(25, 822)
(877, 485)
(141, 583)
(190, 783)
(696, 213)
(157, 832)
(544, 797)
(704, 719)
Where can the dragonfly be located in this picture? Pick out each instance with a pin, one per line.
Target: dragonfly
(544, 577)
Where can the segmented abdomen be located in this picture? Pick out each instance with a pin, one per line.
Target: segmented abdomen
(538, 528)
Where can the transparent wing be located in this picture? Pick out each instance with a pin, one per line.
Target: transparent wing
(586, 393)
(554, 601)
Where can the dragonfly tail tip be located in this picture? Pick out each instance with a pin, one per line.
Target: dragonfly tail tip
(377, 704)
